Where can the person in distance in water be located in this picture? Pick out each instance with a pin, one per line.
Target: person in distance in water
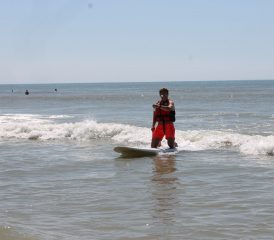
(164, 116)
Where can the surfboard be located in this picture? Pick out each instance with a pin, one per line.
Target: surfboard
(142, 152)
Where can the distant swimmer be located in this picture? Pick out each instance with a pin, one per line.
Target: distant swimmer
(55, 89)
(26, 92)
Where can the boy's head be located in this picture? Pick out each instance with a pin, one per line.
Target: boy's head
(163, 92)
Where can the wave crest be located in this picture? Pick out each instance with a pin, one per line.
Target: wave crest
(34, 127)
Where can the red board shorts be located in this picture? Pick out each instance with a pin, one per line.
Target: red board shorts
(160, 133)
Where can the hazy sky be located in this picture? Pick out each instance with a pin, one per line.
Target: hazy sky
(46, 41)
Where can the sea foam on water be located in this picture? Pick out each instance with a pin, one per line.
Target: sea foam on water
(36, 127)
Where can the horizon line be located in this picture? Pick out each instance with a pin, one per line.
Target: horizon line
(113, 82)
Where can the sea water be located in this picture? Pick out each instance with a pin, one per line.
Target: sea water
(60, 178)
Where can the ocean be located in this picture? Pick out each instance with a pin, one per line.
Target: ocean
(61, 180)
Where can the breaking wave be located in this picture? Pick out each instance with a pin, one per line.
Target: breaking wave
(45, 128)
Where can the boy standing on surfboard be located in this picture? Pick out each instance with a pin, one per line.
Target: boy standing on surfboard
(164, 116)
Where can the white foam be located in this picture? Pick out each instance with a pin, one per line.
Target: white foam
(37, 127)
(17, 118)
(247, 144)
(59, 116)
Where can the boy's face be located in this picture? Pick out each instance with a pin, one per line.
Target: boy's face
(164, 95)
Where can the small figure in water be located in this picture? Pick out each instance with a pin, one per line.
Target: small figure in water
(26, 92)
(55, 89)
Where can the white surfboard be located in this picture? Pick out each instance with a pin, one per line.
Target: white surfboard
(140, 152)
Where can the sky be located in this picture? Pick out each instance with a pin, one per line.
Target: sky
(65, 41)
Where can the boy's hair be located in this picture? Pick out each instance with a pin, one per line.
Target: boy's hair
(163, 90)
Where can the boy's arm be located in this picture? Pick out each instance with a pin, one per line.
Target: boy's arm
(170, 107)
(153, 121)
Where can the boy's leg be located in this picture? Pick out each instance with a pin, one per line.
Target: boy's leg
(155, 142)
(171, 142)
